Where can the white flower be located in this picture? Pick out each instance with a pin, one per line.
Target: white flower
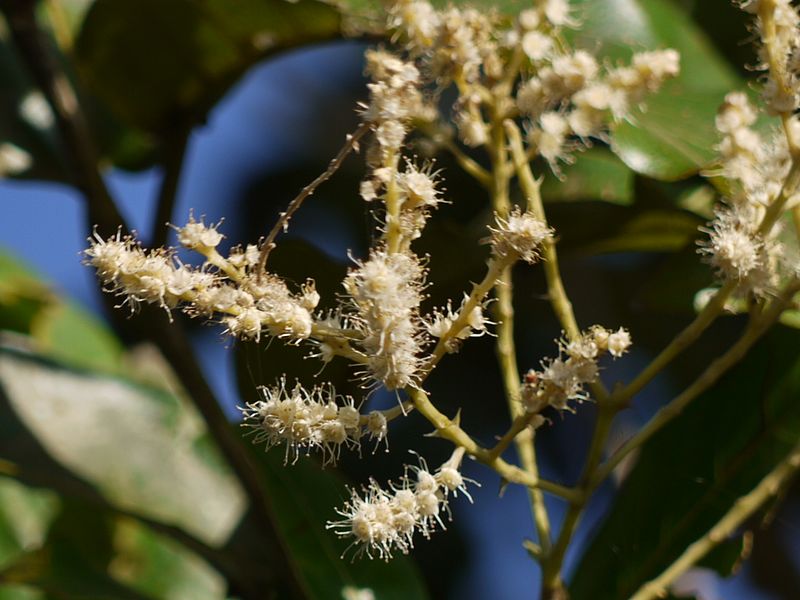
(520, 234)
(536, 45)
(196, 235)
(382, 522)
(304, 420)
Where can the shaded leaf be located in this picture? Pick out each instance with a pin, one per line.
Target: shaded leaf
(28, 140)
(652, 231)
(158, 63)
(25, 517)
(596, 175)
(69, 333)
(692, 471)
(159, 567)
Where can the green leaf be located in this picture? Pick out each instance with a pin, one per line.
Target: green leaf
(622, 27)
(596, 175)
(59, 328)
(160, 64)
(648, 231)
(136, 445)
(20, 592)
(71, 334)
(158, 567)
(692, 471)
(25, 517)
(674, 136)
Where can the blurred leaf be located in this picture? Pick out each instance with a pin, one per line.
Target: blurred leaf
(672, 286)
(693, 470)
(59, 328)
(28, 140)
(22, 295)
(20, 592)
(131, 553)
(596, 175)
(159, 567)
(159, 63)
(74, 562)
(25, 517)
(305, 497)
(622, 27)
(136, 445)
(674, 136)
(653, 231)
(69, 333)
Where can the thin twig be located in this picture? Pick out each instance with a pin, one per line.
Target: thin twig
(450, 430)
(269, 243)
(506, 348)
(174, 153)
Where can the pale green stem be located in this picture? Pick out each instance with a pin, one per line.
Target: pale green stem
(394, 231)
(555, 286)
(468, 164)
(743, 509)
(476, 297)
(506, 348)
(450, 430)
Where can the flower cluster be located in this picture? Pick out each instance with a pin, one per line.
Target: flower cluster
(384, 521)
(386, 291)
(778, 53)
(508, 75)
(520, 235)
(739, 247)
(562, 379)
(307, 420)
(228, 287)
(564, 95)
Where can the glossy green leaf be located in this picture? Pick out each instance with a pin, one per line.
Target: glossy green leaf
(692, 471)
(596, 175)
(674, 136)
(160, 65)
(621, 27)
